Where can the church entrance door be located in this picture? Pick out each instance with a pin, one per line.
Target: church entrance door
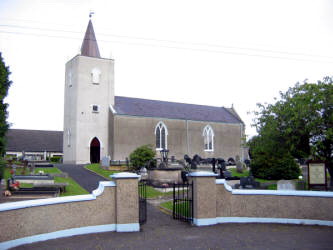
(95, 149)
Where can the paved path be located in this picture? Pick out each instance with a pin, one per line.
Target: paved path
(87, 179)
(162, 232)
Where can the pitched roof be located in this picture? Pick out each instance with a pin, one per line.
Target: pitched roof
(89, 45)
(19, 140)
(173, 110)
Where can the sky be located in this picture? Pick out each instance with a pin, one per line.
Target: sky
(218, 53)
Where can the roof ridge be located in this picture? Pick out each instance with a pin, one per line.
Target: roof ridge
(171, 102)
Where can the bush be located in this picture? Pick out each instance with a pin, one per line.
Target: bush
(2, 168)
(141, 156)
(275, 168)
(55, 159)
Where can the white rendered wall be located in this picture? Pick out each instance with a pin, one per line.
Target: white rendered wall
(83, 123)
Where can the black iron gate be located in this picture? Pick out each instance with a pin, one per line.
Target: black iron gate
(183, 202)
(142, 202)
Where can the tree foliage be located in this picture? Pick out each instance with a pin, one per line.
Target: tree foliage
(4, 86)
(141, 156)
(299, 125)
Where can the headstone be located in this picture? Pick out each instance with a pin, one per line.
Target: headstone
(286, 185)
(239, 166)
(106, 161)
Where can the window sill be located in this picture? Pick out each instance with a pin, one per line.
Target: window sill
(209, 150)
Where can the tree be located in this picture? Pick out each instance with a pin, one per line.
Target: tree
(299, 124)
(4, 86)
(141, 156)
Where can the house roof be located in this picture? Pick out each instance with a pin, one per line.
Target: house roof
(173, 110)
(19, 140)
(89, 45)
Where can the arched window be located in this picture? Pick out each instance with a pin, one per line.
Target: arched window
(208, 135)
(161, 133)
(95, 76)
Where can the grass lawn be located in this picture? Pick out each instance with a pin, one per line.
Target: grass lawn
(98, 170)
(183, 207)
(245, 174)
(151, 192)
(73, 187)
(167, 205)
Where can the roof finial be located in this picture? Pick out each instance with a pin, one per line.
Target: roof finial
(90, 14)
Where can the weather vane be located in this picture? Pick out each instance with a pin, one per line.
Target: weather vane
(91, 13)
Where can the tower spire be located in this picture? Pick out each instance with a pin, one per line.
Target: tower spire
(89, 45)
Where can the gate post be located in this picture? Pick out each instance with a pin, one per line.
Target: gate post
(204, 198)
(127, 202)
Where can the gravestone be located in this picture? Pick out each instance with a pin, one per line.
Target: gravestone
(106, 161)
(286, 185)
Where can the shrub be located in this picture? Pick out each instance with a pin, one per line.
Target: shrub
(141, 156)
(275, 168)
(55, 159)
(2, 168)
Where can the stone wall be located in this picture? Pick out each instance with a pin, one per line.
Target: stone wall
(216, 202)
(111, 207)
(274, 204)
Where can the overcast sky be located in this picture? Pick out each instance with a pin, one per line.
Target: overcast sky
(207, 52)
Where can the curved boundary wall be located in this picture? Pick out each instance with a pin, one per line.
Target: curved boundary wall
(113, 206)
(216, 202)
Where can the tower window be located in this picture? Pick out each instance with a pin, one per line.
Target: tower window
(208, 135)
(95, 108)
(95, 76)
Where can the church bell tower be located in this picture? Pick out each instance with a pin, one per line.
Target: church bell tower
(89, 92)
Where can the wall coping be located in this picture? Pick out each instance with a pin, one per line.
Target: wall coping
(57, 200)
(273, 192)
(125, 175)
(202, 174)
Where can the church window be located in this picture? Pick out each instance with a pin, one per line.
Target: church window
(161, 133)
(208, 135)
(95, 76)
(95, 108)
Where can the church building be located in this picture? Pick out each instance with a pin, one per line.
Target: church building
(97, 123)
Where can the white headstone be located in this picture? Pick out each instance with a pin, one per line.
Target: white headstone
(286, 185)
(106, 161)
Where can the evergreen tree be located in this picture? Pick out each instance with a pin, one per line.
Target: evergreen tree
(4, 86)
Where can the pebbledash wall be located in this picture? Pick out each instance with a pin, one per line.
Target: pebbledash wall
(227, 205)
(184, 137)
(111, 207)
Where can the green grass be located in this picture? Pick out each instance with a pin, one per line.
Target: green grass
(183, 207)
(53, 170)
(167, 205)
(73, 187)
(153, 193)
(245, 174)
(272, 187)
(98, 170)
(236, 174)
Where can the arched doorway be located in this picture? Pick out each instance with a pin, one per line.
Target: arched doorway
(95, 149)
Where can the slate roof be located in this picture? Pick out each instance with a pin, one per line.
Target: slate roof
(89, 45)
(173, 110)
(19, 140)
